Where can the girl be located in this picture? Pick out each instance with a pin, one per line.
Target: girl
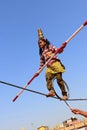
(54, 68)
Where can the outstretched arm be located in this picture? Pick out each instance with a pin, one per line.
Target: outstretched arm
(60, 50)
(78, 111)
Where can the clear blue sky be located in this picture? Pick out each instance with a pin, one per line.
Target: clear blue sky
(19, 21)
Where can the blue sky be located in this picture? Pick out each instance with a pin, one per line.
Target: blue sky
(19, 21)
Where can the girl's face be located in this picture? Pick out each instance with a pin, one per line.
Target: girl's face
(42, 43)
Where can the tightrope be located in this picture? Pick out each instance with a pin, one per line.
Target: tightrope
(33, 91)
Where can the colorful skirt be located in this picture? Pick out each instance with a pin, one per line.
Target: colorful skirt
(56, 67)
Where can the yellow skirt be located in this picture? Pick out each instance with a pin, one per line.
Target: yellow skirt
(56, 67)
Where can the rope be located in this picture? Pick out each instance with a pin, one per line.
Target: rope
(16, 86)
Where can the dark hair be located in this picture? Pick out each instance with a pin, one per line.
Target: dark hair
(47, 45)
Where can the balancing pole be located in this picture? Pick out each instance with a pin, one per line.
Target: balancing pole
(58, 51)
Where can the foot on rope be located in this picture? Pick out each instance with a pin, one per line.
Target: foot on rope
(51, 94)
(64, 97)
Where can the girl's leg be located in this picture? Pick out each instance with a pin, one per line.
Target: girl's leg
(61, 84)
(49, 81)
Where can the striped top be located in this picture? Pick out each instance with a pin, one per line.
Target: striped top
(46, 54)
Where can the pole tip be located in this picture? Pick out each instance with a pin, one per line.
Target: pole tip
(15, 98)
(85, 23)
